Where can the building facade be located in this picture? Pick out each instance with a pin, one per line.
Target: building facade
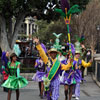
(28, 28)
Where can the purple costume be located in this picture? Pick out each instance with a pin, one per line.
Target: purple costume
(53, 93)
(69, 76)
(4, 60)
(79, 78)
(40, 66)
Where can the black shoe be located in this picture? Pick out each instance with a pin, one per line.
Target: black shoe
(41, 96)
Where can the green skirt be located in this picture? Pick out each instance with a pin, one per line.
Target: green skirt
(15, 83)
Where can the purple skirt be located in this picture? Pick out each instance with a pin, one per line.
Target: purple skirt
(71, 77)
(38, 76)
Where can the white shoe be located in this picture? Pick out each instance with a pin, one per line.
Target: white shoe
(73, 96)
(77, 98)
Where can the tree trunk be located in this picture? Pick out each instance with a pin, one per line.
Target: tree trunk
(18, 23)
(4, 40)
(8, 38)
(9, 30)
(4, 43)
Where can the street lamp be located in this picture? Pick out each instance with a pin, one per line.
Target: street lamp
(98, 27)
(98, 30)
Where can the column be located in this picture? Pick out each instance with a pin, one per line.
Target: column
(27, 28)
(31, 29)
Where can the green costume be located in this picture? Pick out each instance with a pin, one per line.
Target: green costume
(14, 81)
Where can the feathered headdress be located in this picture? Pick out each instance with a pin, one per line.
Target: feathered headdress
(80, 39)
(16, 49)
(57, 41)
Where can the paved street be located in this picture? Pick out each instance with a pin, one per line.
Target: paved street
(89, 91)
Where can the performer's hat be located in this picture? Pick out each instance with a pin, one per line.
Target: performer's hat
(53, 50)
(78, 48)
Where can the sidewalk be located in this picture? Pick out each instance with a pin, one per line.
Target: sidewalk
(89, 91)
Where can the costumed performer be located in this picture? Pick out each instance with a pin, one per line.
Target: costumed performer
(69, 79)
(40, 67)
(80, 62)
(14, 81)
(51, 82)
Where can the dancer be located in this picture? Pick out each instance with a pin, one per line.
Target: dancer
(14, 81)
(80, 62)
(83, 53)
(40, 67)
(53, 70)
(69, 76)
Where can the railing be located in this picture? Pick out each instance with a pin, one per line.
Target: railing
(96, 69)
(27, 64)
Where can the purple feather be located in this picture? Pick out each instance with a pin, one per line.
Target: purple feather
(65, 4)
(44, 48)
(4, 59)
(72, 48)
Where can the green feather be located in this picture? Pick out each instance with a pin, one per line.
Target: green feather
(81, 40)
(60, 11)
(77, 38)
(73, 9)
